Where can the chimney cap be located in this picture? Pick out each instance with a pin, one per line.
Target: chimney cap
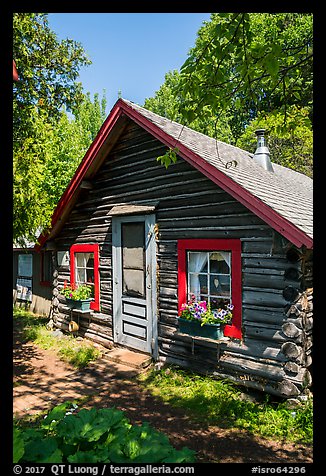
(262, 154)
(260, 132)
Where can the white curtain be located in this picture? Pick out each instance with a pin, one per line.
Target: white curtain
(197, 262)
(226, 255)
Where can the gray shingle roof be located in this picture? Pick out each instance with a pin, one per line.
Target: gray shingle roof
(287, 192)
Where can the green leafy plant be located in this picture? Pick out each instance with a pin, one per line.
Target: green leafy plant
(169, 156)
(93, 436)
(77, 293)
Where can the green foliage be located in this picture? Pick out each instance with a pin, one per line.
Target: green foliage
(217, 402)
(47, 144)
(77, 353)
(169, 157)
(47, 68)
(93, 436)
(290, 146)
(78, 293)
(246, 63)
(168, 102)
(243, 67)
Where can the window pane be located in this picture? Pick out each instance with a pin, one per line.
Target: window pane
(133, 282)
(209, 276)
(89, 260)
(133, 241)
(219, 284)
(80, 259)
(197, 261)
(219, 262)
(90, 275)
(133, 259)
(198, 285)
(80, 275)
(217, 303)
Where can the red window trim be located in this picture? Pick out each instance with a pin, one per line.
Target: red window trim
(233, 245)
(87, 248)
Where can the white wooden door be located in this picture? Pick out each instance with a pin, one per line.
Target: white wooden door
(134, 282)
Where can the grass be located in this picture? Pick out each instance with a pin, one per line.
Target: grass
(217, 402)
(33, 329)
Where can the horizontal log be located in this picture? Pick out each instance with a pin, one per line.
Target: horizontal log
(266, 263)
(256, 348)
(272, 372)
(262, 281)
(263, 298)
(280, 389)
(266, 334)
(105, 341)
(261, 315)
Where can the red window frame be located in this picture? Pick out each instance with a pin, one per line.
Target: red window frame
(232, 245)
(87, 248)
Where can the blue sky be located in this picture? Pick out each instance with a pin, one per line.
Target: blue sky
(130, 52)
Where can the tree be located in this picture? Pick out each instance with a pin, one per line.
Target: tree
(48, 70)
(167, 102)
(291, 146)
(70, 140)
(247, 70)
(247, 63)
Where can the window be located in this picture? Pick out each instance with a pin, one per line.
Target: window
(211, 270)
(133, 259)
(46, 268)
(84, 264)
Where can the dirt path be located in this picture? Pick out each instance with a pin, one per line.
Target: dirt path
(37, 373)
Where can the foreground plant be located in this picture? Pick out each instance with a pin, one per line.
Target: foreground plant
(93, 436)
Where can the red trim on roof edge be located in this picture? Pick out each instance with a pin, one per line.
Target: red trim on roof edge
(259, 208)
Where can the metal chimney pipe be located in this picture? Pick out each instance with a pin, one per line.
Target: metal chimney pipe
(262, 154)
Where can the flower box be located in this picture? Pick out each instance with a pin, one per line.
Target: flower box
(79, 305)
(193, 328)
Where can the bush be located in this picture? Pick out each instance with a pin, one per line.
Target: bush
(93, 436)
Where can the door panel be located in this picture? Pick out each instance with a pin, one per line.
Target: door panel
(134, 287)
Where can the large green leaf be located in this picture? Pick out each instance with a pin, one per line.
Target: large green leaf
(18, 445)
(43, 450)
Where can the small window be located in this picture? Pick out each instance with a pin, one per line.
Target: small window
(211, 271)
(46, 268)
(84, 264)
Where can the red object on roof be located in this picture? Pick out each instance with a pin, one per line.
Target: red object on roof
(15, 73)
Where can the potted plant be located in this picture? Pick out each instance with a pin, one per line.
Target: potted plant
(197, 318)
(78, 297)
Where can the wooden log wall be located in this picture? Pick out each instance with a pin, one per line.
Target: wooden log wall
(275, 352)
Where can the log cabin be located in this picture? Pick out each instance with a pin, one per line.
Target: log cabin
(147, 237)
